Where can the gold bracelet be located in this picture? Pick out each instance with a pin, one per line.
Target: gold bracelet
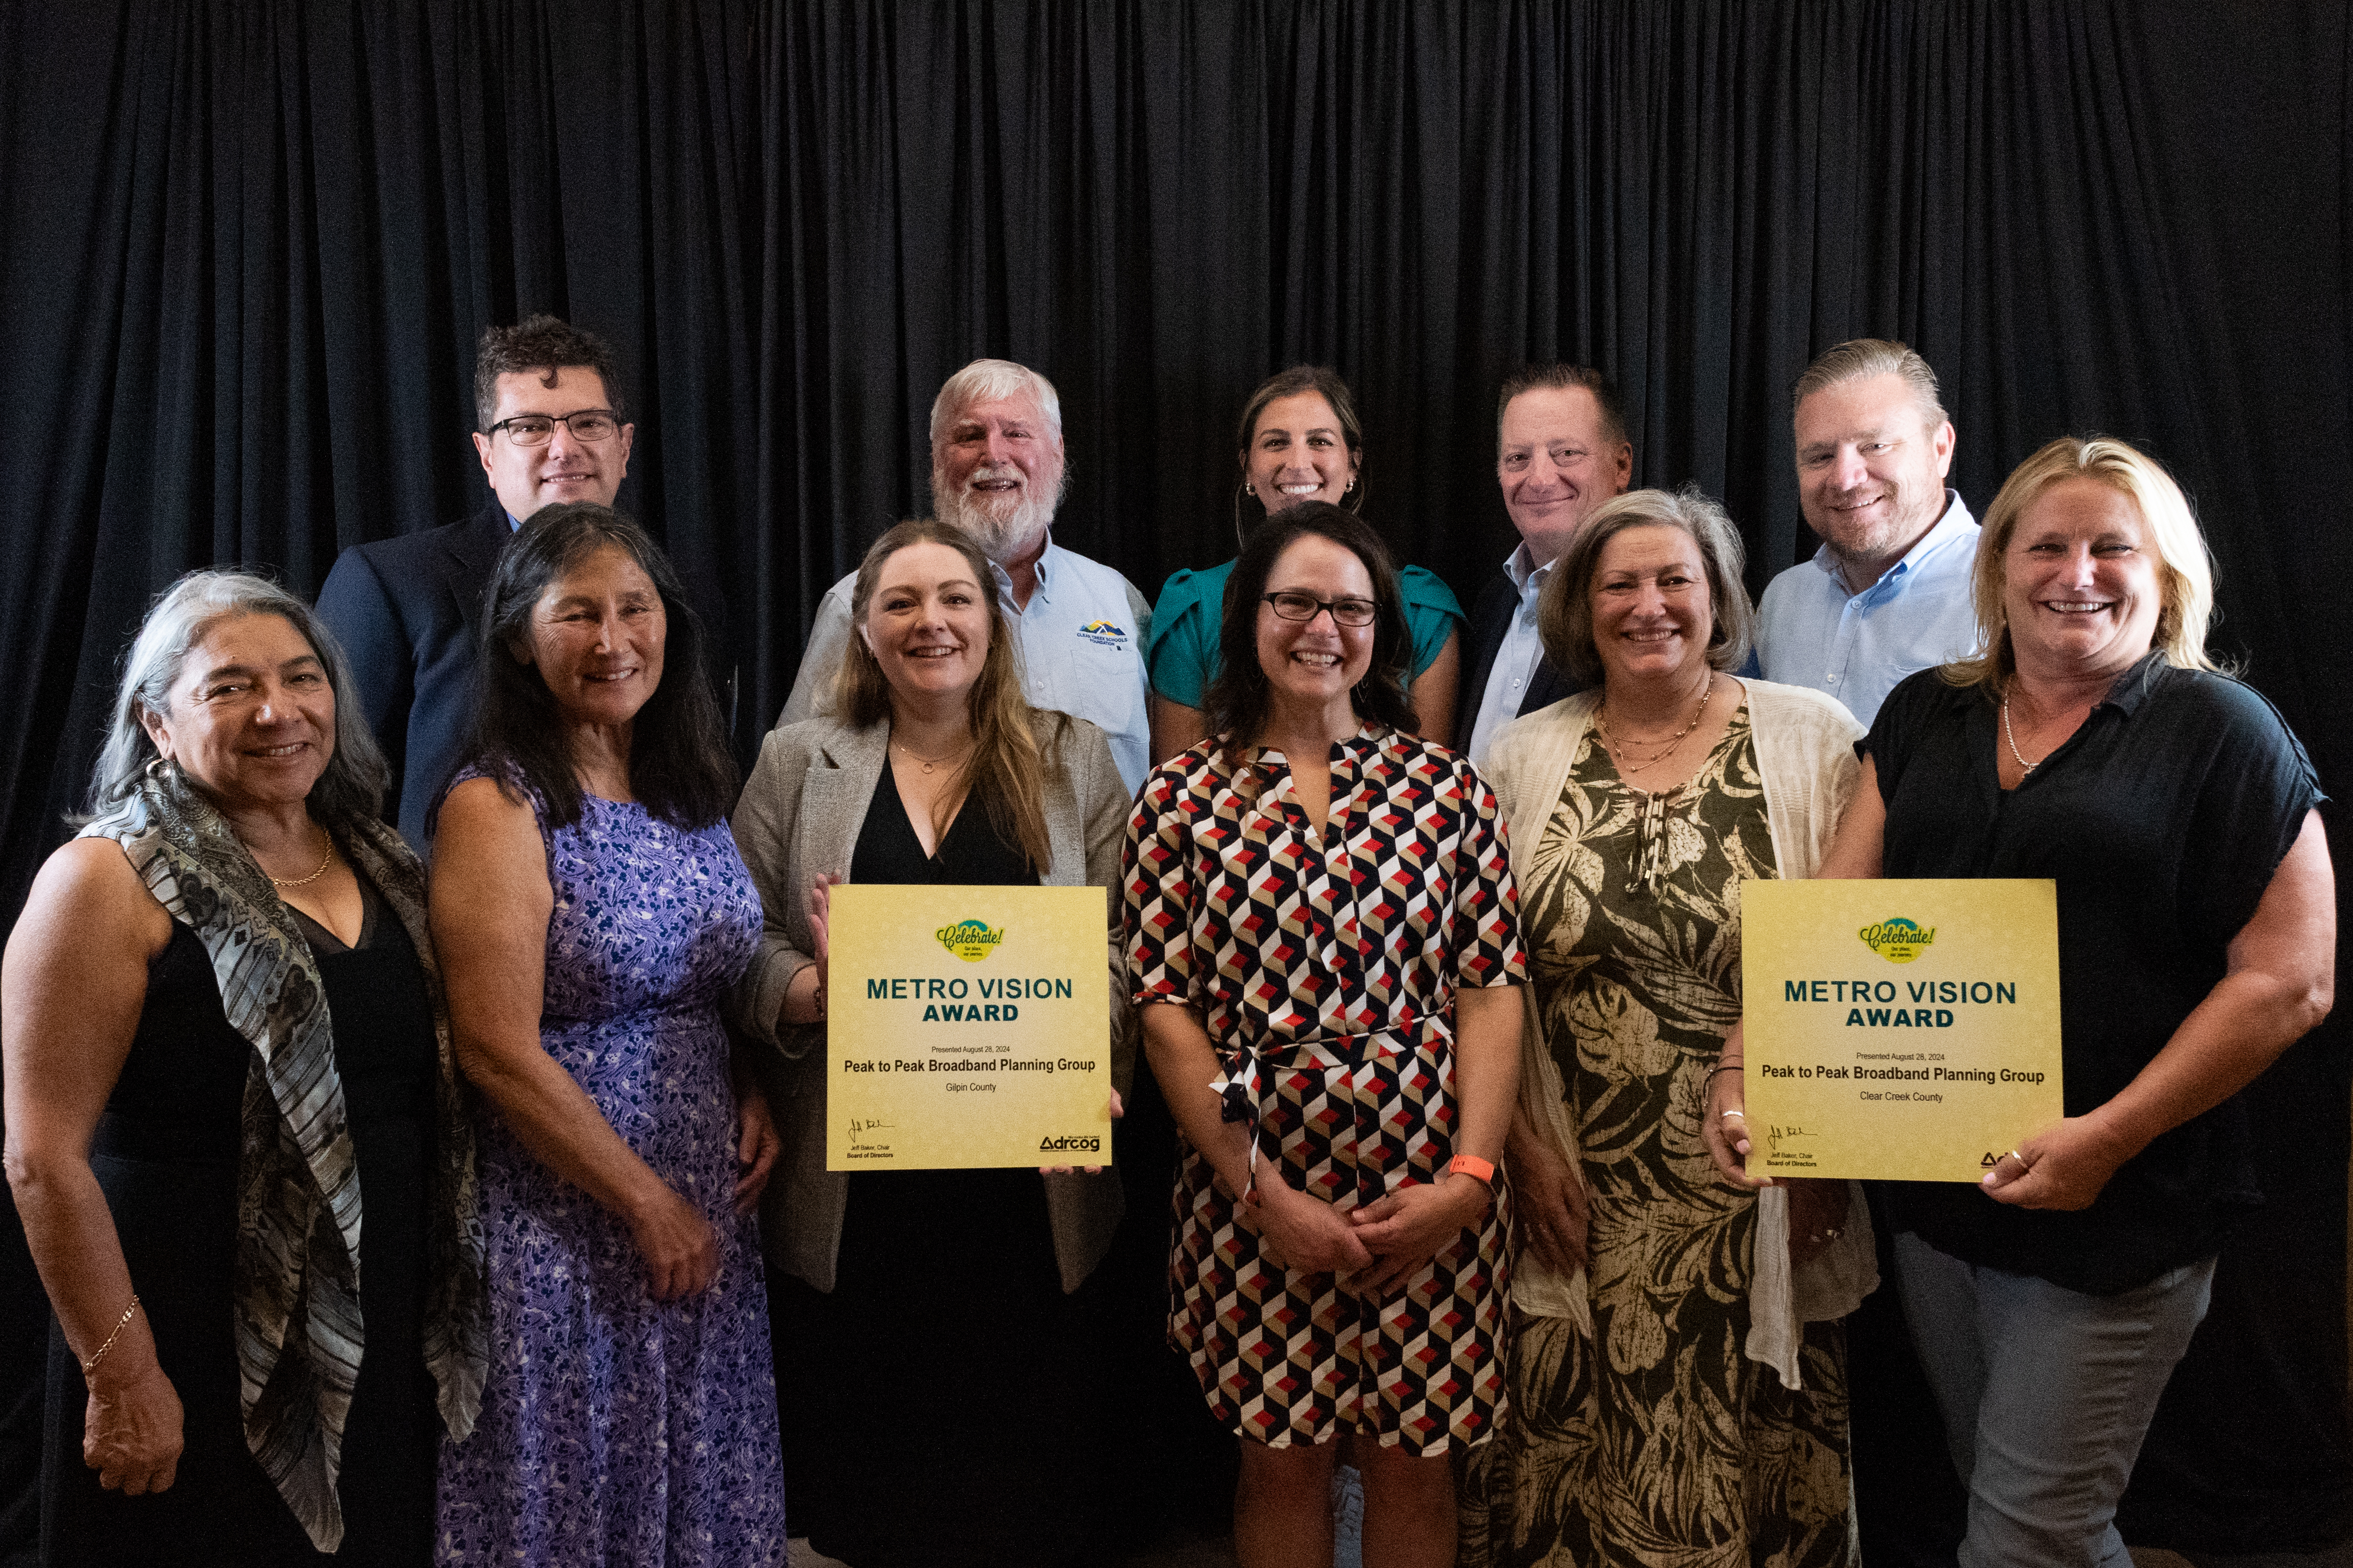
(120, 1324)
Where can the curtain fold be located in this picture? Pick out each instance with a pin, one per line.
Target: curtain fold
(247, 247)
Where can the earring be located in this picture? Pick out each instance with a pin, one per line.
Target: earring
(1352, 484)
(1248, 488)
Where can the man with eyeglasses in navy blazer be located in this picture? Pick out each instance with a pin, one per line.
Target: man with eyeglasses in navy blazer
(407, 610)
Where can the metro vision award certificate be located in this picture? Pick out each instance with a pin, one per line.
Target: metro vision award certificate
(968, 1028)
(1898, 1030)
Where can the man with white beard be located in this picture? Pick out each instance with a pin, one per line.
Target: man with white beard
(1078, 626)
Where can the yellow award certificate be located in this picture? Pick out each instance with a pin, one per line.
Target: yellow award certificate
(1898, 1030)
(967, 1026)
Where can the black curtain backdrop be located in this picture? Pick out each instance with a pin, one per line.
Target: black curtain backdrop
(245, 248)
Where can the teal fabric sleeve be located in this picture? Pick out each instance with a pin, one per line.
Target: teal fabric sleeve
(1181, 653)
(1431, 614)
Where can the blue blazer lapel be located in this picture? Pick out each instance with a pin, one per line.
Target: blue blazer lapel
(470, 555)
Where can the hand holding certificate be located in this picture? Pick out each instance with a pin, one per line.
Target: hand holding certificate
(969, 1027)
(1897, 1030)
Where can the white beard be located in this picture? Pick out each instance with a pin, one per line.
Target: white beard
(1005, 524)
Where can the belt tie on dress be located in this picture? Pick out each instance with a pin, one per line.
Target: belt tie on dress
(1242, 1087)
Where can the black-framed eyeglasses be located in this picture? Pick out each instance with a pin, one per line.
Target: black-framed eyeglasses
(539, 429)
(1306, 607)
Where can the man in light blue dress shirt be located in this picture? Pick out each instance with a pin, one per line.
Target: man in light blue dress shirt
(1078, 626)
(1888, 592)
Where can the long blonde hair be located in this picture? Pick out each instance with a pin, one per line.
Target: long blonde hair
(1006, 767)
(2185, 570)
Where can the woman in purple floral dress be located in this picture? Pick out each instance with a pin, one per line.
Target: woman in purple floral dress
(592, 911)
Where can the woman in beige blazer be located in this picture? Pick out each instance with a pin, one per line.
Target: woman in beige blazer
(933, 1327)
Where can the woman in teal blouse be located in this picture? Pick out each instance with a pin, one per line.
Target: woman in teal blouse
(1300, 442)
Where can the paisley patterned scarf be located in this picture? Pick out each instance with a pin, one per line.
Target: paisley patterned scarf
(297, 1295)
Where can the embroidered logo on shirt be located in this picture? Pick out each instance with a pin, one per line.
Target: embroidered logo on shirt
(1897, 939)
(1104, 632)
(971, 940)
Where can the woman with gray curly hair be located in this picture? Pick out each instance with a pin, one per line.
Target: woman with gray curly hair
(1675, 1393)
(225, 1039)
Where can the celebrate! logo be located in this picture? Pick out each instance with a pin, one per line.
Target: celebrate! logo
(971, 940)
(1897, 939)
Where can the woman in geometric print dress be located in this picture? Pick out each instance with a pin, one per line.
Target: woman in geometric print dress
(593, 911)
(1320, 914)
(1676, 1403)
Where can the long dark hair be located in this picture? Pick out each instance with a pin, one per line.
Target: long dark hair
(1006, 767)
(679, 768)
(1236, 703)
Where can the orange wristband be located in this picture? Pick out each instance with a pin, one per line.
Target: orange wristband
(1469, 1165)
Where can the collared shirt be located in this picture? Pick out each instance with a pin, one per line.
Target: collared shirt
(1080, 642)
(1811, 630)
(1516, 658)
(2162, 820)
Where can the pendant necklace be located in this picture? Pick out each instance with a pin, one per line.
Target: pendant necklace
(930, 763)
(2011, 737)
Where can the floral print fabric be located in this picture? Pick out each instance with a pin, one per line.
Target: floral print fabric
(616, 1428)
(1324, 964)
(1658, 1441)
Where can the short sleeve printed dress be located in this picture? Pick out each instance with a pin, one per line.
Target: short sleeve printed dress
(1324, 966)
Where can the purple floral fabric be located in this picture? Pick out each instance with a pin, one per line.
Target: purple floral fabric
(616, 1428)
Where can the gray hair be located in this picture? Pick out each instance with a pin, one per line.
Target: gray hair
(1860, 357)
(351, 787)
(1564, 612)
(985, 380)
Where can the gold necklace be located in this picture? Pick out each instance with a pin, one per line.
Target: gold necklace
(2011, 737)
(1616, 753)
(930, 762)
(305, 882)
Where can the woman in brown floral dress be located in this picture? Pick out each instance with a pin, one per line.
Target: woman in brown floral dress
(1681, 1399)
(1323, 941)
